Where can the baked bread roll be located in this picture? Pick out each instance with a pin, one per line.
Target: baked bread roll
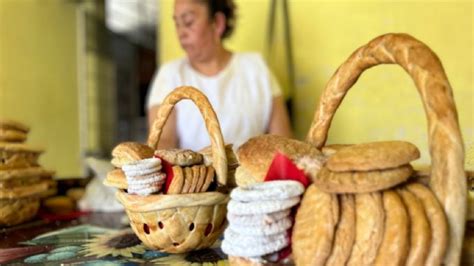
(128, 152)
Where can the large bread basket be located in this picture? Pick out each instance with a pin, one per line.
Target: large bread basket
(447, 178)
(180, 223)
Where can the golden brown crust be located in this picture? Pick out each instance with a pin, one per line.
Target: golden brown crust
(318, 216)
(420, 232)
(20, 147)
(116, 178)
(373, 156)
(209, 179)
(331, 149)
(437, 221)
(127, 152)
(11, 135)
(362, 181)
(345, 232)
(180, 157)
(177, 183)
(188, 179)
(24, 172)
(257, 153)
(15, 125)
(24, 191)
(369, 228)
(202, 178)
(396, 238)
(446, 147)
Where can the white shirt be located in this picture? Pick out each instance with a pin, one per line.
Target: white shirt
(241, 95)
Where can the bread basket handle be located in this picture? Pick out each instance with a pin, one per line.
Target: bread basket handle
(446, 147)
(219, 158)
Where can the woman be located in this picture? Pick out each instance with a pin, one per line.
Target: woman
(245, 95)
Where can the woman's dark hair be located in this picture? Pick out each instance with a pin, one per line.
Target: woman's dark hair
(226, 7)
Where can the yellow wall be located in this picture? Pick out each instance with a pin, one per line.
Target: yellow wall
(38, 83)
(384, 104)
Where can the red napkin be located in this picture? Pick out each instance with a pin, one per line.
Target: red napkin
(282, 168)
(168, 169)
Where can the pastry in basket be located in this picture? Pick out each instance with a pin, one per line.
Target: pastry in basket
(175, 201)
(18, 155)
(373, 172)
(367, 167)
(261, 209)
(232, 162)
(12, 131)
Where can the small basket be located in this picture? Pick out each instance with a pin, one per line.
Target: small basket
(180, 223)
(447, 177)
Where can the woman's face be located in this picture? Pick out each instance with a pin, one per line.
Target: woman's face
(196, 32)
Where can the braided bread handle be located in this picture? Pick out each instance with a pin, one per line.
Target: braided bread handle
(219, 159)
(448, 180)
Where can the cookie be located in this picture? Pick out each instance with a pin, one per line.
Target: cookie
(25, 172)
(257, 219)
(272, 190)
(142, 165)
(180, 157)
(24, 191)
(345, 233)
(196, 175)
(116, 178)
(373, 156)
(129, 152)
(202, 178)
(177, 183)
(420, 231)
(279, 226)
(146, 179)
(14, 125)
(361, 181)
(261, 207)
(396, 238)
(369, 229)
(437, 220)
(209, 178)
(188, 179)
(314, 228)
(10, 135)
(243, 177)
(243, 249)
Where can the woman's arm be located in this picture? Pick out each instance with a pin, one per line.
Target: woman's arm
(280, 120)
(169, 138)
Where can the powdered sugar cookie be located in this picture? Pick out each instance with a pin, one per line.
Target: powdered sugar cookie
(257, 219)
(279, 226)
(235, 238)
(233, 249)
(248, 208)
(272, 190)
(142, 164)
(148, 180)
(141, 171)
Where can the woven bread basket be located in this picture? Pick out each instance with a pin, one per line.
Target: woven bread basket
(178, 223)
(447, 176)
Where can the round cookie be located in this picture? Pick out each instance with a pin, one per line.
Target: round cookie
(272, 190)
(180, 157)
(234, 249)
(14, 125)
(331, 149)
(369, 228)
(396, 238)
(277, 227)
(314, 227)
(248, 208)
(345, 233)
(361, 182)
(438, 223)
(129, 152)
(177, 183)
(373, 156)
(116, 178)
(10, 135)
(257, 219)
(420, 232)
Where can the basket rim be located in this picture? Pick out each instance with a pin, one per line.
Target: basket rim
(156, 202)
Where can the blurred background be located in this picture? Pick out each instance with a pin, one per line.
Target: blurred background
(78, 71)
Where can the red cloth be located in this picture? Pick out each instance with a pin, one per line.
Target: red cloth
(282, 168)
(168, 169)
